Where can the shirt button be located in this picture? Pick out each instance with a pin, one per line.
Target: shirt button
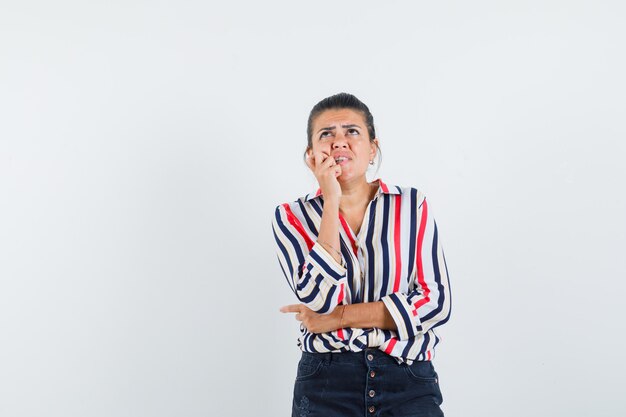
(371, 409)
(370, 357)
(372, 374)
(372, 393)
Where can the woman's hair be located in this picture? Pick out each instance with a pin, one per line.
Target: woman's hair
(337, 102)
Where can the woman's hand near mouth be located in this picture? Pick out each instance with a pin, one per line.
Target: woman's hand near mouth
(326, 170)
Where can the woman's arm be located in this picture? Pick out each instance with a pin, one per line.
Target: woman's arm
(360, 316)
(329, 229)
(428, 304)
(312, 272)
(326, 172)
(367, 315)
(315, 270)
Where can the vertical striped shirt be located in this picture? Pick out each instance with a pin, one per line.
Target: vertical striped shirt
(396, 257)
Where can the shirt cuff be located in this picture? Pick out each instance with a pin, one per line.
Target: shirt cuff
(402, 313)
(323, 260)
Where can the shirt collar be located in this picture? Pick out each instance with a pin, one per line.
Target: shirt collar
(382, 189)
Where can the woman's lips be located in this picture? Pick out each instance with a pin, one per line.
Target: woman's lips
(342, 161)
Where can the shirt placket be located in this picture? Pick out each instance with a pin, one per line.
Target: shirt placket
(361, 263)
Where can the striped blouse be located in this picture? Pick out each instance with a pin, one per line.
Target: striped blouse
(396, 258)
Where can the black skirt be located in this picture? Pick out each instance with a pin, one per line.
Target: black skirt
(368, 383)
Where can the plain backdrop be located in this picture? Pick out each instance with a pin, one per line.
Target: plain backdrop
(145, 144)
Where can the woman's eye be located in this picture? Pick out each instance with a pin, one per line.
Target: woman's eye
(323, 135)
(353, 132)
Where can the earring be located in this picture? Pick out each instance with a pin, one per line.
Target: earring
(371, 162)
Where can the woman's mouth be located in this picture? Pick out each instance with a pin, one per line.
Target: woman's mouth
(341, 160)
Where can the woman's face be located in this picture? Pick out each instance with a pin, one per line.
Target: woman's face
(342, 134)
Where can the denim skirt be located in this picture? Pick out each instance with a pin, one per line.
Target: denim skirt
(367, 383)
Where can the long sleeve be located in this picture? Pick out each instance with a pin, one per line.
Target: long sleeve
(428, 304)
(316, 278)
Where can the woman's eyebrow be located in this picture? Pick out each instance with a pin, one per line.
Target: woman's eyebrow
(343, 126)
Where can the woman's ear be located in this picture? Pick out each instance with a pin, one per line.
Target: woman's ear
(310, 160)
(373, 148)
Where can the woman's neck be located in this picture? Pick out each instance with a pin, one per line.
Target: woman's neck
(356, 195)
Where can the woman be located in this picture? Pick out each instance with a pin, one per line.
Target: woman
(366, 263)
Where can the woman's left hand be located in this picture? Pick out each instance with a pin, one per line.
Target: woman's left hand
(315, 322)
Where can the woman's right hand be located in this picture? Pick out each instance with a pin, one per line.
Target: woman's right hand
(326, 171)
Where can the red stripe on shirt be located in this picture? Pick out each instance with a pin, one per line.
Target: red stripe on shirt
(293, 220)
(396, 243)
(392, 343)
(340, 331)
(346, 229)
(340, 297)
(420, 267)
(383, 186)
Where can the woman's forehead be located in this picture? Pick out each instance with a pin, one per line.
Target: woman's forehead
(335, 117)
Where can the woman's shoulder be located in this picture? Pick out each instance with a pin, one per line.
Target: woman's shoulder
(298, 205)
(409, 191)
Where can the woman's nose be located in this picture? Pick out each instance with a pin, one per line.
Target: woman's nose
(340, 141)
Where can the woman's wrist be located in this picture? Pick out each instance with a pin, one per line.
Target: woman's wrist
(365, 316)
(330, 248)
(343, 311)
(338, 317)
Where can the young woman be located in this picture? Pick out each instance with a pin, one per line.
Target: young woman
(366, 263)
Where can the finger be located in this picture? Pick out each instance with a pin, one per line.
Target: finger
(298, 317)
(292, 308)
(329, 161)
(319, 158)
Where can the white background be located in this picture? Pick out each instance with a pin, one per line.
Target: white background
(145, 144)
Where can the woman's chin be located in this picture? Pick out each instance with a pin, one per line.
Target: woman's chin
(347, 176)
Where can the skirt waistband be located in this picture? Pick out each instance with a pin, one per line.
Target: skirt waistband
(371, 356)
